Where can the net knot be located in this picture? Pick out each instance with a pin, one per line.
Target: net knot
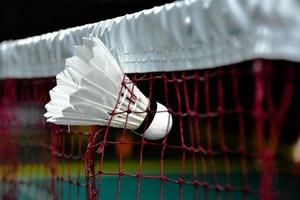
(209, 114)
(267, 155)
(180, 181)
(101, 148)
(77, 183)
(196, 183)
(122, 141)
(163, 178)
(218, 188)
(205, 184)
(193, 113)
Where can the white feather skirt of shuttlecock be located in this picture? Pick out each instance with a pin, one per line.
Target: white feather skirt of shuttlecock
(90, 92)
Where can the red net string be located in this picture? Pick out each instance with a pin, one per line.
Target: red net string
(8, 137)
(231, 127)
(17, 142)
(201, 143)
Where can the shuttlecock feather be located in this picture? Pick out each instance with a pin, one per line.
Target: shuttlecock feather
(90, 92)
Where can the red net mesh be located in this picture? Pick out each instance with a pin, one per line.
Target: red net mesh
(234, 130)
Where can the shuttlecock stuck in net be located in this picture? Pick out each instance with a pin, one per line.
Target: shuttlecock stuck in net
(93, 90)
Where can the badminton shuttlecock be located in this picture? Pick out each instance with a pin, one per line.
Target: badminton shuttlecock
(93, 90)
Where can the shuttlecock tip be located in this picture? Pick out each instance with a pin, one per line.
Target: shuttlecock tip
(160, 125)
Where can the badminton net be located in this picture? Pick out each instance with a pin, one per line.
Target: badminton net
(233, 135)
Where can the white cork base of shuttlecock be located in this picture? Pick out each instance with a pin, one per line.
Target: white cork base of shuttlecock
(160, 125)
